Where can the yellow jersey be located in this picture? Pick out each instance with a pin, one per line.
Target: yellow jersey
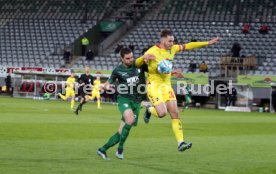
(70, 82)
(160, 54)
(96, 85)
(163, 54)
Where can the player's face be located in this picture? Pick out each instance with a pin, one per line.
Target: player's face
(72, 75)
(87, 70)
(167, 42)
(98, 77)
(128, 59)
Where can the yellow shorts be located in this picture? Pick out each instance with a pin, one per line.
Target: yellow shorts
(69, 93)
(160, 93)
(94, 95)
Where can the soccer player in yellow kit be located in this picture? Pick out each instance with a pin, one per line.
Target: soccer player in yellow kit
(159, 88)
(69, 90)
(96, 92)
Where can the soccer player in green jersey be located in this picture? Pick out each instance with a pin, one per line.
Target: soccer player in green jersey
(188, 96)
(131, 80)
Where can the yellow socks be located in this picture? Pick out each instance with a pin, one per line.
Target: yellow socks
(99, 104)
(177, 129)
(62, 96)
(72, 103)
(153, 111)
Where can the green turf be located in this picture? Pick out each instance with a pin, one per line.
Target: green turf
(46, 137)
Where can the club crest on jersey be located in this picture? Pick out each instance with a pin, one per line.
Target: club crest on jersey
(123, 74)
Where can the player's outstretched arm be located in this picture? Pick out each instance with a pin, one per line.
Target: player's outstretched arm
(213, 41)
(193, 45)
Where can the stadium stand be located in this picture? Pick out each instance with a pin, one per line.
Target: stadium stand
(33, 30)
(146, 34)
(258, 11)
(32, 42)
(56, 9)
(203, 20)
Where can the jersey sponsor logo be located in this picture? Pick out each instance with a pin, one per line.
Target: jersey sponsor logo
(133, 80)
(125, 105)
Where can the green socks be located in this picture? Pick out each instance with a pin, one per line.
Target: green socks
(117, 138)
(111, 142)
(124, 135)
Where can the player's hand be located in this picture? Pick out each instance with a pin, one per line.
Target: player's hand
(105, 86)
(102, 87)
(149, 57)
(82, 84)
(213, 41)
(177, 73)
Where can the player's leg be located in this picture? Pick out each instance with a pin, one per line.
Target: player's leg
(79, 108)
(187, 101)
(125, 107)
(97, 96)
(83, 101)
(72, 101)
(113, 140)
(158, 108)
(98, 100)
(177, 125)
(129, 120)
(83, 95)
(63, 97)
(71, 93)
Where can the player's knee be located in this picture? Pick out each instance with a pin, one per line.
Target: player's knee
(162, 114)
(130, 121)
(174, 115)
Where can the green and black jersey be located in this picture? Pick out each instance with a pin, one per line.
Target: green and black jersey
(131, 82)
(188, 90)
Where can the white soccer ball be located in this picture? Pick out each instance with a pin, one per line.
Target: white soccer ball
(164, 67)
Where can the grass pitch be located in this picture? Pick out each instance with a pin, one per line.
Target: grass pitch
(46, 137)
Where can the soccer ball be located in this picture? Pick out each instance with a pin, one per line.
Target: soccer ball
(164, 67)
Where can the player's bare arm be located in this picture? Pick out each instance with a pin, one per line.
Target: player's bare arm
(213, 41)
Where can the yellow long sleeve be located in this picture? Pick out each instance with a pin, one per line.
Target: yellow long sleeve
(139, 62)
(193, 45)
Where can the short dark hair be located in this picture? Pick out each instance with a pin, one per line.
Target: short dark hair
(165, 33)
(125, 51)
